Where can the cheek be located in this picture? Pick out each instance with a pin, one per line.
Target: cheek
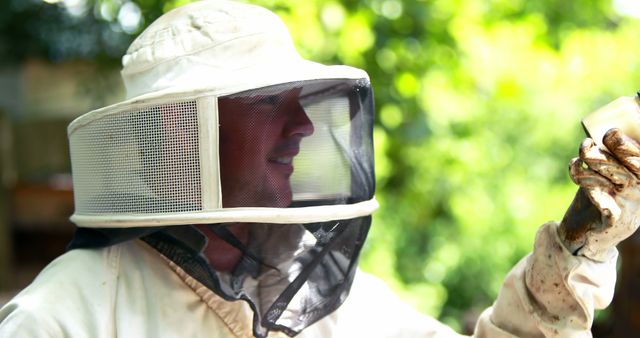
(233, 143)
(240, 152)
(243, 161)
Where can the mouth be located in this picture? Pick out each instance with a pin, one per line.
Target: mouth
(282, 165)
(282, 160)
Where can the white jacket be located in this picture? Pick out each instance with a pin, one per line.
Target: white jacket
(129, 290)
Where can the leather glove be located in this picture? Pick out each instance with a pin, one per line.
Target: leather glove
(610, 179)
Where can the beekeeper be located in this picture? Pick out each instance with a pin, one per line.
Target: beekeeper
(231, 193)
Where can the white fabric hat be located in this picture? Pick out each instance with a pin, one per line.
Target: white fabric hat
(221, 47)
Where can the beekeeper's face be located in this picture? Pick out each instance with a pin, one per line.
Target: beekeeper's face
(259, 137)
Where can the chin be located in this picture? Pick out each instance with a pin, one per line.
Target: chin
(283, 200)
(279, 193)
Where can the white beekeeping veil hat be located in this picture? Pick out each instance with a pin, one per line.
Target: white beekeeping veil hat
(153, 159)
(224, 123)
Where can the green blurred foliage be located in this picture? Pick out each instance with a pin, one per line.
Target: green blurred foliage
(479, 104)
(478, 110)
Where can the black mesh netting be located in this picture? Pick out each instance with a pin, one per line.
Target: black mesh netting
(290, 275)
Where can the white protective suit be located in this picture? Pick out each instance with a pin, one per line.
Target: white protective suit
(147, 277)
(129, 290)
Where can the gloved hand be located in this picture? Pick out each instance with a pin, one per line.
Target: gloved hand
(611, 180)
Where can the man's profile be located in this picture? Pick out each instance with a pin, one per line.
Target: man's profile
(259, 138)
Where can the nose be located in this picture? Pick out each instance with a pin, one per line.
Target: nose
(298, 123)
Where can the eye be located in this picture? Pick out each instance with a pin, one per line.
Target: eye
(271, 100)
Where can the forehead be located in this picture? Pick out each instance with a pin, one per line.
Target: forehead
(304, 90)
(263, 96)
(258, 105)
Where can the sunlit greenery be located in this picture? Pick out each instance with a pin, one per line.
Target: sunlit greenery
(479, 104)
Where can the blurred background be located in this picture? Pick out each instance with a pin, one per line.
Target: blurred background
(478, 110)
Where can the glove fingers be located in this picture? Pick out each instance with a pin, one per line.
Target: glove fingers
(605, 164)
(624, 148)
(598, 189)
(586, 177)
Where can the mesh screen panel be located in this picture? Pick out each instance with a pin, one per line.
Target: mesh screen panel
(297, 144)
(326, 149)
(138, 161)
